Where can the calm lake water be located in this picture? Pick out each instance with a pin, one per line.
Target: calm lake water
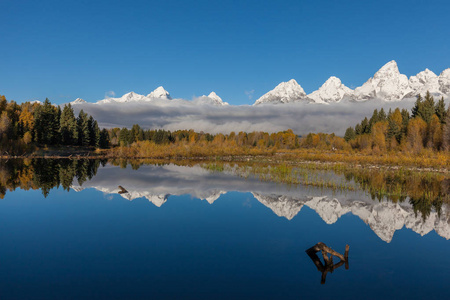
(180, 232)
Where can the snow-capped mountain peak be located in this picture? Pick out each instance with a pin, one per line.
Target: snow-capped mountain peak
(389, 70)
(444, 81)
(217, 100)
(212, 98)
(331, 91)
(284, 92)
(128, 97)
(159, 93)
(131, 96)
(423, 82)
(78, 101)
(387, 84)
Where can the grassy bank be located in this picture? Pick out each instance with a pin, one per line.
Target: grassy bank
(426, 159)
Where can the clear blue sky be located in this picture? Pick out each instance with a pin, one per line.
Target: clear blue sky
(68, 49)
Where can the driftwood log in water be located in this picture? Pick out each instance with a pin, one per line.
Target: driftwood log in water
(329, 266)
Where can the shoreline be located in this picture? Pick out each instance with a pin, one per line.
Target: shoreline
(274, 159)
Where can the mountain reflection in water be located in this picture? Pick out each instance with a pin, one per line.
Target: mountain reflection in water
(157, 182)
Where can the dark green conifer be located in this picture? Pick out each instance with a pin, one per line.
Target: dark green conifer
(68, 126)
(382, 115)
(440, 110)
(124, 137)
(417, 106)
(428, 108)
(104, 139)
(373, 119)
(349, 134)
(94, 132)
(83, 129)
(358, 129)
(405, 121)
(365, 126)
(46, 124)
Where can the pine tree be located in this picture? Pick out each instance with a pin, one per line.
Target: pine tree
(394, 131)
(365, 126)
(428, 108)
(382, 115)
(83, 129)
(124, 137)
(405, 121)
(68, 126)
(104, 139)
(46, 124)
(441, 111)
(417, 106)
(349, 134)
(358, 129)
(94, 132)
(374, 118)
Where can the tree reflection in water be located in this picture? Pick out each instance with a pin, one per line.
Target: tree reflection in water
(45, 174)
(424, 191)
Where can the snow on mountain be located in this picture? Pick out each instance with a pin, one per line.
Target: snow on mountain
(159, 93)
(383, 218)
(282, 206)
(387, 84)
(285, 92)
(128, 97)
(212, 98)
(331, 91)
(157, 200)
(217, 100)
(213, 196)
(78, 101)
(132, 96)
(423, 82)
(329, 209)
(444, 82)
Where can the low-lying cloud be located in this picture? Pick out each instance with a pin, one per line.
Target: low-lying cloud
(181, 114)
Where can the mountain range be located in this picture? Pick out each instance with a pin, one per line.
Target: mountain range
(387, 84)
(158, 96)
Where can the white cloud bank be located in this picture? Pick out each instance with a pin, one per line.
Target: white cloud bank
(181, 114)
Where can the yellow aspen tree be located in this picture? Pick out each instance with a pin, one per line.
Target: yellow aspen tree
(416, 134)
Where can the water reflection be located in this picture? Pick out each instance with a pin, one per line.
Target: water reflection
(157, 182)
(45, 174)
(327, 266)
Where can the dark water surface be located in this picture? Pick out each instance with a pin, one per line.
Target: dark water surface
(183, 232)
